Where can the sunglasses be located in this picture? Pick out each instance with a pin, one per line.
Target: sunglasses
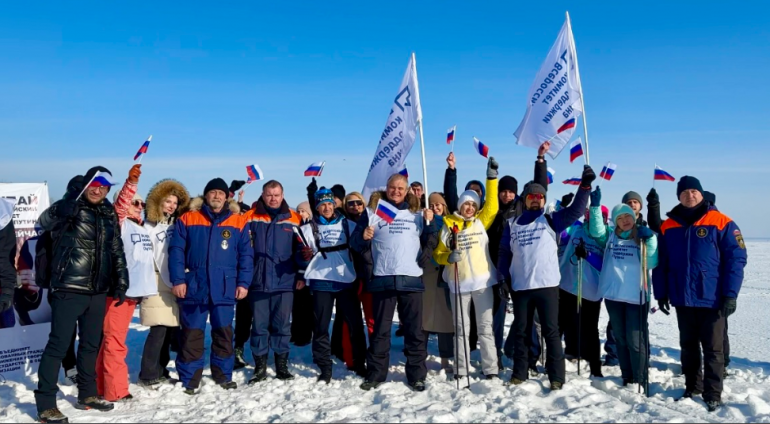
(139, 204)
(535, 196)
(355, 203)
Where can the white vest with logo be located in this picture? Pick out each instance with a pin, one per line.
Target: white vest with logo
(396, 246)
(621, 276)
(475, 270)
(160, 236)
(139, 260)
(337, 266)
(535, 263)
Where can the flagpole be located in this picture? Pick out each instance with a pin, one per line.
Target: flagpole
(580, 82)
(653, 175)
(454, 136)
(85, 188)
(422, 138)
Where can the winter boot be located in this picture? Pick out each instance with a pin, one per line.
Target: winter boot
(230, 385)
(556, 386)
(369, 385)
(418, 386)
(126, 398)
(260, 370)
(94, 403)
(690, 393)
(515, 381)
(71, 376)
(713, 405)
(240, 363)
(533, 371)
(326, 375)
(282, 367)
(446, 365)
(52, 416)
(596, 370)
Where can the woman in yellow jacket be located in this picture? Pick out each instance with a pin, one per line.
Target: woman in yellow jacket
(464, 250)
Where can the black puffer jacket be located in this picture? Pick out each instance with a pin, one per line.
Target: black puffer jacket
(88, 252)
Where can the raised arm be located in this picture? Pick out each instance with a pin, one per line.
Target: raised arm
(492, 206)
(126, 195)
(450, 184)
(562, 219)
(541, 166)
(653, 211)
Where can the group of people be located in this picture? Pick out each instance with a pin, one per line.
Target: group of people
(447, 262)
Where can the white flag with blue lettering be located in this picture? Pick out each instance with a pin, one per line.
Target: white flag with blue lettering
(398, 137)
(554, 101)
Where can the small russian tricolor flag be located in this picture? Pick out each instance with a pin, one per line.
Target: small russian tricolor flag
(661, 175)
(450, 135)
(255, 174)
(315, 169)
(573, 181)
(102, 179)
(567, 126)
(551, 173)
(575, 150)
(143, 149)
(481, 148)
(386, 211)
(404, 172)
(608, 171)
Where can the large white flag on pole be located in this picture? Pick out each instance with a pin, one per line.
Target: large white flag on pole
(400, 132)
(555, 98)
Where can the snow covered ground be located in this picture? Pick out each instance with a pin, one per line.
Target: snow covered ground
(747, 390)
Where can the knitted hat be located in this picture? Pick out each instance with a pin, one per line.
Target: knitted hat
(632, 195)
(468, 196)
(533, 188)
(437, 197)
(324, 195)
(216, 184)
(622, 209)
(339, 191)
(688, 183)
(305, 207)
(508, 183)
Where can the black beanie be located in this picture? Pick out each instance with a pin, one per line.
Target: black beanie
(216, 184)
(508, 183)
(533, 188)
(339, 191)
(688, 183)
(632, 195)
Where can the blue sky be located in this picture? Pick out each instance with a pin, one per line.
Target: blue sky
(284, 84)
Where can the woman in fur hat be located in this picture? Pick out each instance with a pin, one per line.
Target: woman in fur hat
(167, 200)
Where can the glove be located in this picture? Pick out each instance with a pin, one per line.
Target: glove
(455, 257)
(596, 197)
(121, 296)
(503, 290)
(567, 199)
(665, 306)
(66, 209)
(581, 252)
(729, 306)
(307, 253)
(588, 176)
(312, 188)
(644, 233)
(6, 302)
(134, 174)
(652, 198)
(492, 166)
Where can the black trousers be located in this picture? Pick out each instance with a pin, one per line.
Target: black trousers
(584, 344)
(702, 327)
(68, 310)
(243, 319)
(157, 352)
(409, 306)
(727, 344)
(70, 361)
(349, 311)
(546, 303)
(302, 317)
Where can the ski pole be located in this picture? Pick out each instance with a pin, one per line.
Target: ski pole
(579, 309)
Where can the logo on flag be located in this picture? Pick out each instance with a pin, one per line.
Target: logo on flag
(480, 147)
(551, 173)
(102, 179)
(573, 181)
(386, 211)
(450, 135)
(143, 149)
(255, 174)
(315, 169)
(575, 150)
(661, 175)
(608, 171)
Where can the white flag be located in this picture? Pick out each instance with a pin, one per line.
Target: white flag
(398, 137)
(554, 99)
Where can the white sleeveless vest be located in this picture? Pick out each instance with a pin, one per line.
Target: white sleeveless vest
(569, 269)
(396, 246)
(337, 266)
(621, 276)
(160, 236)
(535, 263)
(139, 260)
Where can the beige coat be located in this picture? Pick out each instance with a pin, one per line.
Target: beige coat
(161, 309)
(436, 312)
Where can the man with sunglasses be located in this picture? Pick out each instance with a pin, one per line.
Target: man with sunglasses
(528, 259)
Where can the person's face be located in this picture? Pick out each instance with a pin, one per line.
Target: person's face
(625, 222)
(417, 190)
(273, 197)
(467, 210)
(397, 191)
(326, 209)
(136, 208)
(535, 202)
(216, 200)
(438, 209)
(304, 214)
(355, 206)
(476, 188)
(635, 205)
(690, 198)
(507, 196)
(170, 204)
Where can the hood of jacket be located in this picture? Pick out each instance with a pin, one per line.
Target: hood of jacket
(412, 200)
(159, 192)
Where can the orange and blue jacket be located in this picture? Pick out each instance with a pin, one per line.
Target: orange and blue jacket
(274, 240)
(212, 254)
(700, 264)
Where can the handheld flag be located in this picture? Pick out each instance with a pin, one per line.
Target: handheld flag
(551, 173)
(100, 179)
(255, 174)
(480, 147)
(450, 135)
(315, 169)
(143, 149)
(661, 175)
(404, 172)
(567, 126)
(573, 181)
(608, 171)
(575, 150)
(386, 211)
